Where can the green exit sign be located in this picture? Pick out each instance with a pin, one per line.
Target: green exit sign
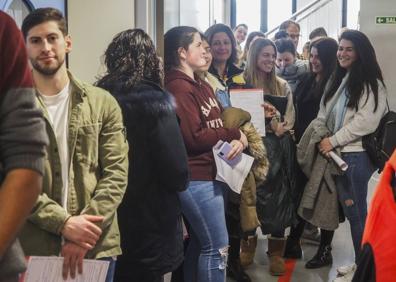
(385, 20)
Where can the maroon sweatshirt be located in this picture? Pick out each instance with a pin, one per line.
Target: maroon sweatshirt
(14, 68)
(200, 122)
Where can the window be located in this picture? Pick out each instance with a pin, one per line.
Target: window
(19, 9)
(278, 12)
(353, 14)
(248, 12)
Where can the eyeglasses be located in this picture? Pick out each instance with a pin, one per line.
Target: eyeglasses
(294, 36)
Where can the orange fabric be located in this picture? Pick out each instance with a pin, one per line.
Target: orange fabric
(380, 230)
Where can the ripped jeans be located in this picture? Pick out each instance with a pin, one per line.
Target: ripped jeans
(352, 193)
(203, 206)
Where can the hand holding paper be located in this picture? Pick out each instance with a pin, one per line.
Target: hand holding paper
(233, 174)
(49, 269)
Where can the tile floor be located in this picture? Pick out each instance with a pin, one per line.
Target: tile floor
(342, 254)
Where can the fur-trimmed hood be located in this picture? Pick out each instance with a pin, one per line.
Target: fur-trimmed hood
(235, 117)
(146, 101)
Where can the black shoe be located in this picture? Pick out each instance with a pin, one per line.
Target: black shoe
(235, 270)
(322, 258)
(293, 249)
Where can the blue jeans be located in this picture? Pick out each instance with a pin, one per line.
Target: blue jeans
(352, 193)
(206, 256)
(111, 270)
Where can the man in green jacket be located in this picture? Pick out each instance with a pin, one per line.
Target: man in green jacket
(87, 159)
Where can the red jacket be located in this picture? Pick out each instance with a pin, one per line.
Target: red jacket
(378, 260)
(200, 122)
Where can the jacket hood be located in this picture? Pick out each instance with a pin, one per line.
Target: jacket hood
(299, 68)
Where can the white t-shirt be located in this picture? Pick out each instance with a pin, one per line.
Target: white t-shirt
(58, 111)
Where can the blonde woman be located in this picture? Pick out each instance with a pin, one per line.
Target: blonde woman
(275, 199)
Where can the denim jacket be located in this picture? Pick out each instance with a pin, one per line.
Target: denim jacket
(98, 174)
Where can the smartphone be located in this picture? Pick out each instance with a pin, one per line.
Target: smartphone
(224, 151)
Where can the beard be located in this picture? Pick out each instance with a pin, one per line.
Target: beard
(47, 70)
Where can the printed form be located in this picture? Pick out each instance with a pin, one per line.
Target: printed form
(49, 269)
(250, 100)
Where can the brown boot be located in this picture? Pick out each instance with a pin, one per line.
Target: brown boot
(248, 250)
(276, 248)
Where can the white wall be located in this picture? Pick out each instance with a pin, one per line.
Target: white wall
(383, 37)
(329, 17)
(92, 25)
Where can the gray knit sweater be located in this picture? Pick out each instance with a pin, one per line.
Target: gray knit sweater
(22, 131)
(357, 123)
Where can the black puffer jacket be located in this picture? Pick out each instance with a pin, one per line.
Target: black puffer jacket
(149, 215)
(306, 103)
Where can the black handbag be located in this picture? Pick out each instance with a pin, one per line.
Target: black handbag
(279, 102)
(380, 144)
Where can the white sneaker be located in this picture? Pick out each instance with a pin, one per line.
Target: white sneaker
(346, 278)
(344, 270)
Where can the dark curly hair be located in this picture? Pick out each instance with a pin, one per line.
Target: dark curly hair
(130, 58)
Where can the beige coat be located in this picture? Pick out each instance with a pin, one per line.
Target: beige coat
(234, 117)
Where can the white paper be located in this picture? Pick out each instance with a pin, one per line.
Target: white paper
(49, 269)
(233, 176)
(250, 100)
(340, 162)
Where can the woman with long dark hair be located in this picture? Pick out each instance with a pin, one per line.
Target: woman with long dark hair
(307, 96)
(309, 92)
(149, 215)
(352, 107)
(200, 121)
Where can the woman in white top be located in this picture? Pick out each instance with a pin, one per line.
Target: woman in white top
(352, 107)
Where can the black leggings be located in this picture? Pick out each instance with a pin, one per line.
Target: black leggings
(278, 234)
(326, 236)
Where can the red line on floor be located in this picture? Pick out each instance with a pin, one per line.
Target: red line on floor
(290, 264)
